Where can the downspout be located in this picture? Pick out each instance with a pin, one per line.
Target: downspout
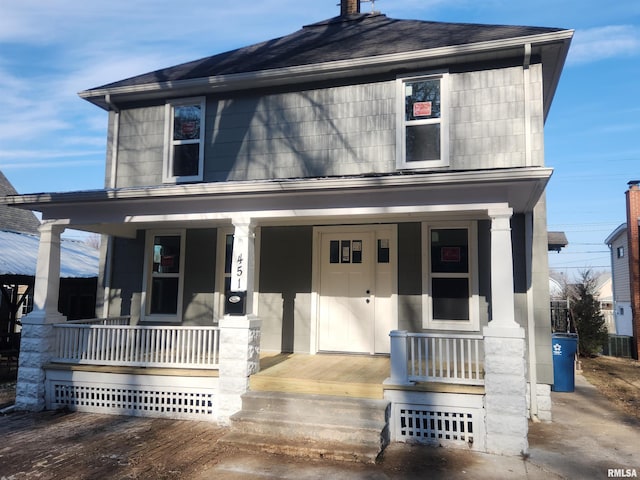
(114, 140)
(108, 255)
(527, 107)
(528, 229)
(531, 330)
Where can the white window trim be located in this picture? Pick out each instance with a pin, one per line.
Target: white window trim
(428, 322)
(167, 176)
(401, 153)
(148, 276)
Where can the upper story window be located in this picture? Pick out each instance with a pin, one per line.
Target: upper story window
(184, 145)
(422, 122)
(620, 252)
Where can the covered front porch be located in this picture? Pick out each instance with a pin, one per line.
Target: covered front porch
(421, 364)
(428, 362)
(109, 366)
(445, 363)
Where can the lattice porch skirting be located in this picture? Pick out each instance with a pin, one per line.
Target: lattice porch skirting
(448, 419)
(136, 395)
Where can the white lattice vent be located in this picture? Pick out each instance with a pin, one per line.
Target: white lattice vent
(135, 401)
(436, 424)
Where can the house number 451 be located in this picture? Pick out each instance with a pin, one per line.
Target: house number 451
(239, 268)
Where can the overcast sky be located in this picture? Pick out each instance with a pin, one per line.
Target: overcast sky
(51, 140)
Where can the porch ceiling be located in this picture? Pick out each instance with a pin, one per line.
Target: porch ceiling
(122, 212)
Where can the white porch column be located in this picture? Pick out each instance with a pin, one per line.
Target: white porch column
(504, 350)
(243, 264)
(239, 333)
(502, 298)
(36, 344)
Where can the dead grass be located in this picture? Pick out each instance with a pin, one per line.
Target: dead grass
(618, 379)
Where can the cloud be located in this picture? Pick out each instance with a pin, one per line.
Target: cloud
(601, 43)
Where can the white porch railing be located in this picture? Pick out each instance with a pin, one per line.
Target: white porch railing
(428, 357)
(138, 345)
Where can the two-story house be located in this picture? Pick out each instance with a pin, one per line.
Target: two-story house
(362, 188)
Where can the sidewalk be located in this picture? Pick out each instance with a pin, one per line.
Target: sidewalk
(587, 438)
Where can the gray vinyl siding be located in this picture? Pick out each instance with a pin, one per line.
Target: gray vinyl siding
(140, 147)
(340, 130)
(346, 130)
(620, 269)
(541, 297)
(126, 277)
(410, 277)
(284, 305)
(199, 279)
(539, 287)
(487, 119)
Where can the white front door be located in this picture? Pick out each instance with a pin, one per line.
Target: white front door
(346, 292)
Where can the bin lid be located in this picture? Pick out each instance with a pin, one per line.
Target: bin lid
(564, 335)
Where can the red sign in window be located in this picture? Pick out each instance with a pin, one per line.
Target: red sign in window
(167, 261)
(188, 129)
(422, 109)
(450, 254)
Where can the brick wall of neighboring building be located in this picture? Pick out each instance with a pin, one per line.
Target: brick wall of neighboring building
(633, 216)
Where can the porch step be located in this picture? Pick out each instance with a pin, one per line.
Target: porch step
(315, 426)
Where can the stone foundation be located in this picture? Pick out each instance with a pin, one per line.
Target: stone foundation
(239, 359)
(505, 391)
(36, 350)
(543, 399)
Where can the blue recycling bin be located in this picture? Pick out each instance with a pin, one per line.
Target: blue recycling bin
(564, 347)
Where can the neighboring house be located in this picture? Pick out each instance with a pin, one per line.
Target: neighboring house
(557, 241)
(19, 241)
(362, 186)
(619, 247)
(15, 287)
(79, 266)
(604, 295)
(624, 245)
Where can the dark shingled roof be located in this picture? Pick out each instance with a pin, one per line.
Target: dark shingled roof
(556, 241)
(15, 219)
(339, 38)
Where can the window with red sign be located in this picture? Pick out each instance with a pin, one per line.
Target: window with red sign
(185, 147)
(450, 280)
(423, 133)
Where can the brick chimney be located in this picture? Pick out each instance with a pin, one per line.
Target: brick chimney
(633, 237)
(349, 7)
